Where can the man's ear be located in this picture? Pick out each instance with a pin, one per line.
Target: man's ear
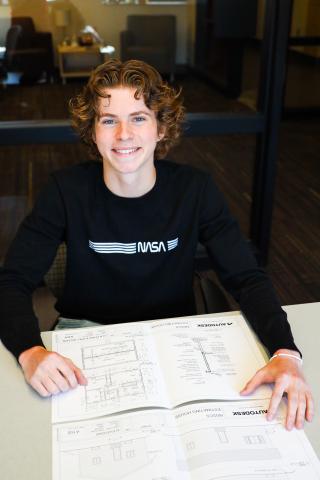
(161, 133)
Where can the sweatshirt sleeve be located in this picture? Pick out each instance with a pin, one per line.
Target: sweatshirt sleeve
(27, 261)
(239, 272)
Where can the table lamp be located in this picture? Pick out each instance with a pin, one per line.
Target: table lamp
(62, 20)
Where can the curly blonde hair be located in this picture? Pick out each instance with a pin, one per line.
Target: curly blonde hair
(164, 100)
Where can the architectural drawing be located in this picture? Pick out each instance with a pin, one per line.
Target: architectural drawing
(162, 364)
(110, 354)
(140, 375)
(124, 374)
(195, 442)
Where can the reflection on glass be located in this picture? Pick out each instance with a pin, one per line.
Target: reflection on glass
(213, 51)
(223, 35)
(24, 172)
(303, 74)
(218, 50)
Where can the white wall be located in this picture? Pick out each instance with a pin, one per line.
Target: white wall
(5, 22)
(191, 30)
(109, 20)
(37, 9)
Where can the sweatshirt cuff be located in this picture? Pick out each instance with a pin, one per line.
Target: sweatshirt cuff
(16, 345)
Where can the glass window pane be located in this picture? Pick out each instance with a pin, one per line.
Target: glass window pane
(304, 61)
(54, 62)
(229, 158)
(23, 173)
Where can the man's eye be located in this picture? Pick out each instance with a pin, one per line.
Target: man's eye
(138, 119)
(108, 121)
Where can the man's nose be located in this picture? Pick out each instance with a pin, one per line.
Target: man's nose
(124, 131)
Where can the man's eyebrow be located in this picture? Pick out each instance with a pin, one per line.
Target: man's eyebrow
(107, 114)
(141, 112)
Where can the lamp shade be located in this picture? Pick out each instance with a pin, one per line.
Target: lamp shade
(62, 18)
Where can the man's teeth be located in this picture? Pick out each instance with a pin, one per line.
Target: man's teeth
(125, 150)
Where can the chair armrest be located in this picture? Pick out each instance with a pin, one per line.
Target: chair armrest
(213, 297)
(41, 40)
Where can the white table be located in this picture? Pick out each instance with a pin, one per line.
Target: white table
(25, 440)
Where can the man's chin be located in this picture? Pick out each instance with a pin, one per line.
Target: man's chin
(127, 166)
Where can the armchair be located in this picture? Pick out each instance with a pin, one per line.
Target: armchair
(12, 39)
(151, 38)
(34, 50)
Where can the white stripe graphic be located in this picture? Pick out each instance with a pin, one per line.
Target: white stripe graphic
(172, 243)
(111, 244)
(113, 247)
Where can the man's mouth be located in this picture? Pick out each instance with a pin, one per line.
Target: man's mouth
(125, 151)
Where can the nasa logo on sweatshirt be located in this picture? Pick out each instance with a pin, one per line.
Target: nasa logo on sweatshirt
(133, 248)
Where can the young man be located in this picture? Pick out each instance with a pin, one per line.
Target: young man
(131, 224)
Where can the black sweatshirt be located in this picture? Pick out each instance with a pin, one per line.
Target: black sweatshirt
(132, 259)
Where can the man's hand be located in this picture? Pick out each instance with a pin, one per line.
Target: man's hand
(286, 374)
(48, 372)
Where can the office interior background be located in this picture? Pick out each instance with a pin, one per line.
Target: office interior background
(213, 49)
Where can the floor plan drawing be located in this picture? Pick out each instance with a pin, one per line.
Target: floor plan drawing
(115, 385)
(121, 370)
(113, 353)
(115, 371)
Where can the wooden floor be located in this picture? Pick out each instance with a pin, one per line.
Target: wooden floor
(295, 248)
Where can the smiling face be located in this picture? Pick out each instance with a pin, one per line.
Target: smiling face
(126, 134)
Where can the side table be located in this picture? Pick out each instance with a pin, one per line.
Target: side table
(78, 61)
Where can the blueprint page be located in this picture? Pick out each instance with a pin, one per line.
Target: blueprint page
(234, 441)
(205, 441)
(136, 445)
(161, 363)
(120, 365)
(208, 358)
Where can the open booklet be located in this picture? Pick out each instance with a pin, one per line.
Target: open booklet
(202, 441)
(139, 375)
(157, 364)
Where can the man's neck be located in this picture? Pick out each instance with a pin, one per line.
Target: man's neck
(129, 185)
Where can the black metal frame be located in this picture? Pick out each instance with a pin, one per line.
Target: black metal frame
(265, 123)
(270, 101)
(24, 132)
(305, 41)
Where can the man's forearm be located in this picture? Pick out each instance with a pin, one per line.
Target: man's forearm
(19, 328)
